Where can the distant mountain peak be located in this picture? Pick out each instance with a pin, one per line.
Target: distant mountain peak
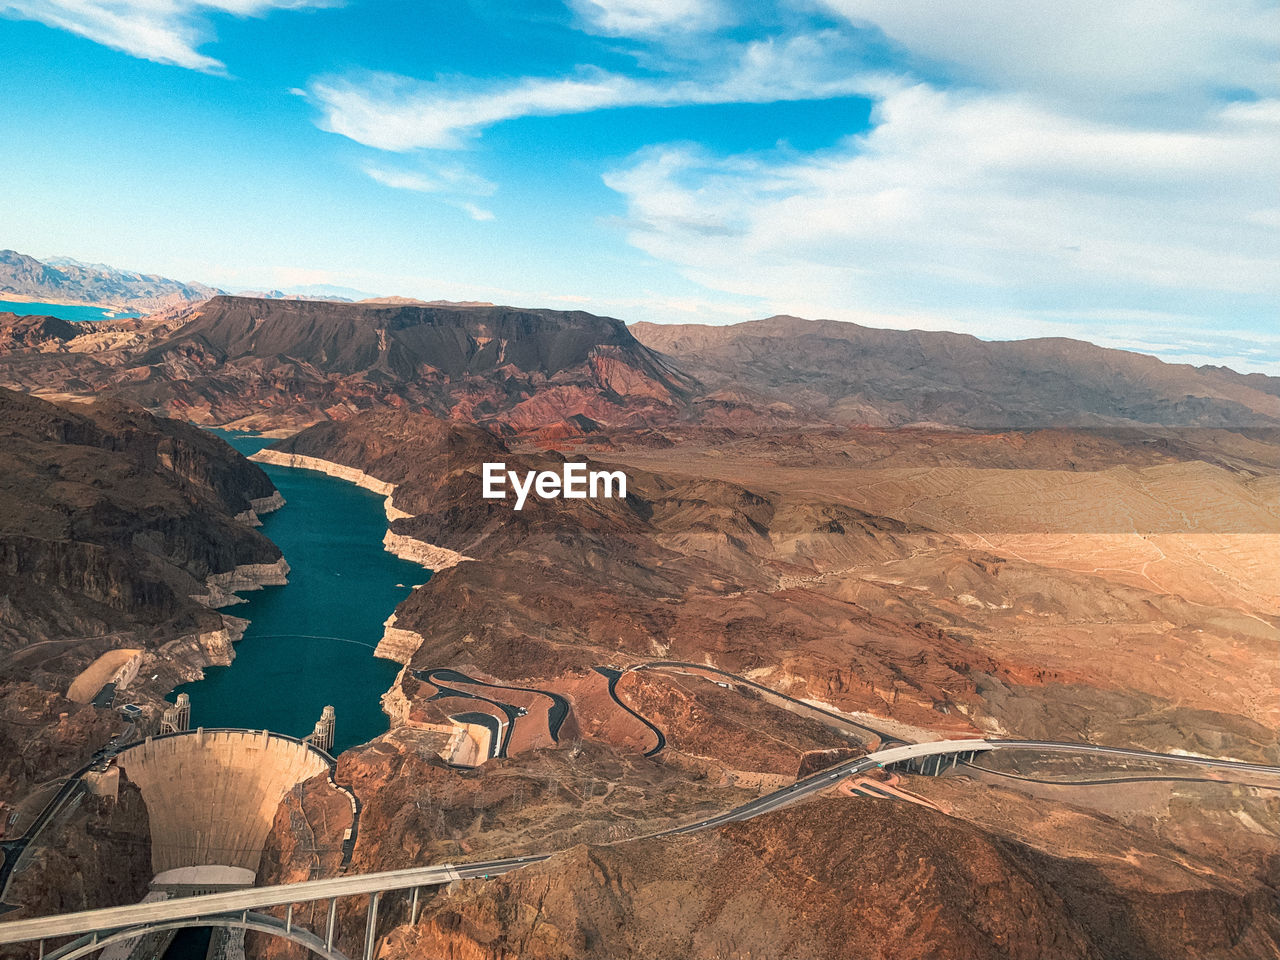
(64, 280)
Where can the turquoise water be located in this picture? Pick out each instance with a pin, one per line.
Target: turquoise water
(310, 643)
(74, 312)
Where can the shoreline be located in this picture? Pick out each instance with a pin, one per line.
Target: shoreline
(430, 556)
(397, 644)
(97, 304)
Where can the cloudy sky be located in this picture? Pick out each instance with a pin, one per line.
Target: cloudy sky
(1008, 168)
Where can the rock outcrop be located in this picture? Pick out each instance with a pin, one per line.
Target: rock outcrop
(112, 524)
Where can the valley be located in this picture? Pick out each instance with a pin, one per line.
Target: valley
(813, 562)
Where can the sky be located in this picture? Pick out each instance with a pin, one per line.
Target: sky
(1010, 168)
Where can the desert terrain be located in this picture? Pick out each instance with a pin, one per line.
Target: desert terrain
(833, 540)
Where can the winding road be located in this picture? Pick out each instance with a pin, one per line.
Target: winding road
(613, 676)
(807, 707)
(557, 713)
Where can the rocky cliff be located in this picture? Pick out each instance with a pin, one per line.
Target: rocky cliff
(519, 370)
(113, 524)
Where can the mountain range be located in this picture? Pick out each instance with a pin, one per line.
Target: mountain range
(833, 537)
(550, 375)
(62, 280)
(846, 373)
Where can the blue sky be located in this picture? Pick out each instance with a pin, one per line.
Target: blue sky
(1011, 168)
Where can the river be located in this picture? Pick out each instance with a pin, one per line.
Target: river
(310, 643)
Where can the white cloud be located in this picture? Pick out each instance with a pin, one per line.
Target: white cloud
(451, 182)
(643, 18)
(1083, 50)
(397, 113)
(440, 179)
(473, 211)
(962, 206)
(165, 31)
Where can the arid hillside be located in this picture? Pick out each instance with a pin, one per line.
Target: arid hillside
(268, 362)
(798, 884)
(112, 524)
(846, 373)
(947, 598)
(784, 586)
(69, 281)
(282, 364)
(913, 584)
(556, 376)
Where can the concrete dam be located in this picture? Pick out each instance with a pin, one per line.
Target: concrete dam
(212, 795)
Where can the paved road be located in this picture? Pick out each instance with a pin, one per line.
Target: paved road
(259, 897)
(237, 901)
(13, 847)
(1051, 745)
(105, 698)
(840, 718)
(1109, 781)
(557, 713)
(613, 676)
(498, 748)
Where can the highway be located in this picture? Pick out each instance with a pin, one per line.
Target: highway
(613, 676)
(1051, 745)
(556, 714)
(702, 668)
(239, 901)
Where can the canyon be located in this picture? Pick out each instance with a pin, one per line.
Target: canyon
(118, 531)
(832, 537)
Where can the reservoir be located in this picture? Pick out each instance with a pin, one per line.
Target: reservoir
(71, 312)
(310, 643)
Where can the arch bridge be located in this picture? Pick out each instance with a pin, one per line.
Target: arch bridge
(80, 934)
(92, 930)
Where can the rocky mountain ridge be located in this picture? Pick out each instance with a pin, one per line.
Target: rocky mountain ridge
(850, 374)
(568, 376)
(269, 362)
(63, 280)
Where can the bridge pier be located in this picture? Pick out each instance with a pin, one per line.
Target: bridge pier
(371, 926)
(413, 907)
(328, 927)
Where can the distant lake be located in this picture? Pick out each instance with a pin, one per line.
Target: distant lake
(310, 643)
(73, 312)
